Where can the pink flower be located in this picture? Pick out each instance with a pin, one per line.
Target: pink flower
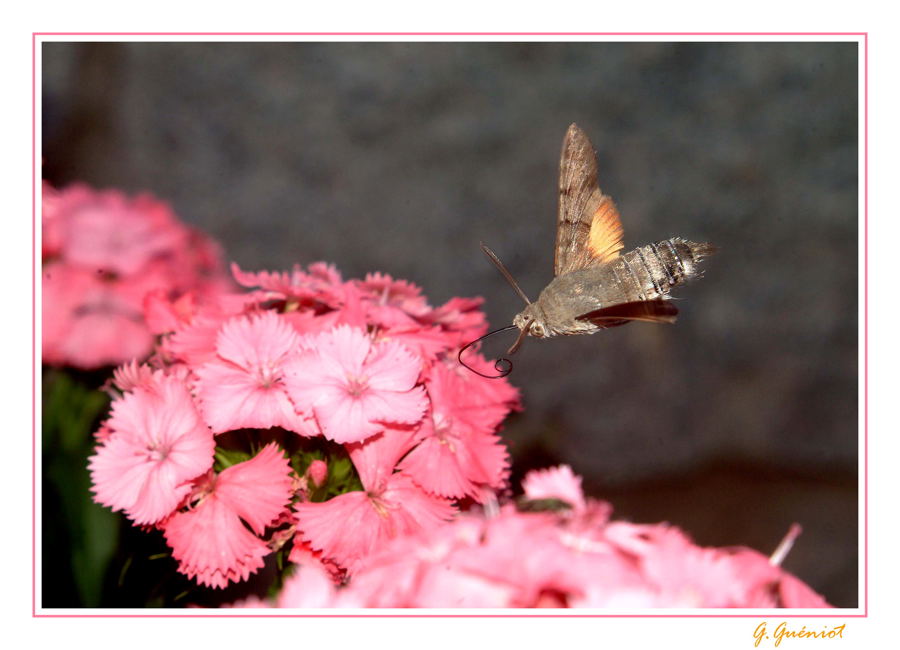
(133, 375)
(211, 541)
(244, 386)
(109, 231)
(456, 464)
(555, 483)
(685, 575)
(427, 342)
(420, 570)
(793, 592)
(310, 586)
(89, 320)
(303, 553)
(354, 387)
(102, 253)
(460, 317)
(507, 561)
(297, 289)
(195, 343)
(164, 315)
(157, 444)
(393, 303)
(350, 526)
(565, 559)
(460, 453)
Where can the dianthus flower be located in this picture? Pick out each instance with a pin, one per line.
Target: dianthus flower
(460, 452)
(350, 526)
(211, 540)
(349, 365)
(565, 558)
(353, 386)
(245, 385)
(102, 253)
(155, 443)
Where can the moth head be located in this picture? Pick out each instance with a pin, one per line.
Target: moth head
(531, 321)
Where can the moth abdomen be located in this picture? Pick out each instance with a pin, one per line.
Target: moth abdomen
(655, 268)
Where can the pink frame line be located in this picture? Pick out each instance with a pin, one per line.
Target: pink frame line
(865, 41)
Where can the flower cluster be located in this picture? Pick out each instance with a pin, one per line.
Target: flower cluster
(326, 413)
(556, 549)
(102, 253)
(329, 421)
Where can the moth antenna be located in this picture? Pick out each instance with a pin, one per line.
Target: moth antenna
(506, 274)
(501, 365)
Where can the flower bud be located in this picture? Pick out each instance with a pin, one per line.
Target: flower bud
(317, 472)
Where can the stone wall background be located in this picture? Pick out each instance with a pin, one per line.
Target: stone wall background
(401, 157)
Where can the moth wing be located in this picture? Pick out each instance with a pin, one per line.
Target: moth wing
(588, 228)
(652, 311)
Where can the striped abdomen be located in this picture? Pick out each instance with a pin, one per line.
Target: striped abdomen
(651, 271)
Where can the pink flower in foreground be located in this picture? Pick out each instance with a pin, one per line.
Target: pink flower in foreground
(350, 526)
(156, 445)
(566, 559)
(211, 541)
(310, 586)
(244, 386)
(353, 386)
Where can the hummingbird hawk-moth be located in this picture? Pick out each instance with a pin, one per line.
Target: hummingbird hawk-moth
(595, 285)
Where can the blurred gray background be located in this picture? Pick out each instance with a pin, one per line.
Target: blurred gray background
(400, 157)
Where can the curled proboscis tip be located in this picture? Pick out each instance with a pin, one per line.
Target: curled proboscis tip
(503, 366)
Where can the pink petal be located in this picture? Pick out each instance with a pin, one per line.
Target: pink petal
(231, 398)
(457, 465)
(261, 339)
(554, 483)
(345, 528)
(392, 367)
(257, 490)
(343, 418)
(415, 508)
(308, 586)
(436, 468)
(347, 346)
(306, 375)
(387, 406)
(211, 544)
(376, 457)
(425, 342)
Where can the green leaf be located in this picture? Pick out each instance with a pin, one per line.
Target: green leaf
(225, 458)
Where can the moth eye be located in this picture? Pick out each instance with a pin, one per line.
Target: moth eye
(537, 330)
